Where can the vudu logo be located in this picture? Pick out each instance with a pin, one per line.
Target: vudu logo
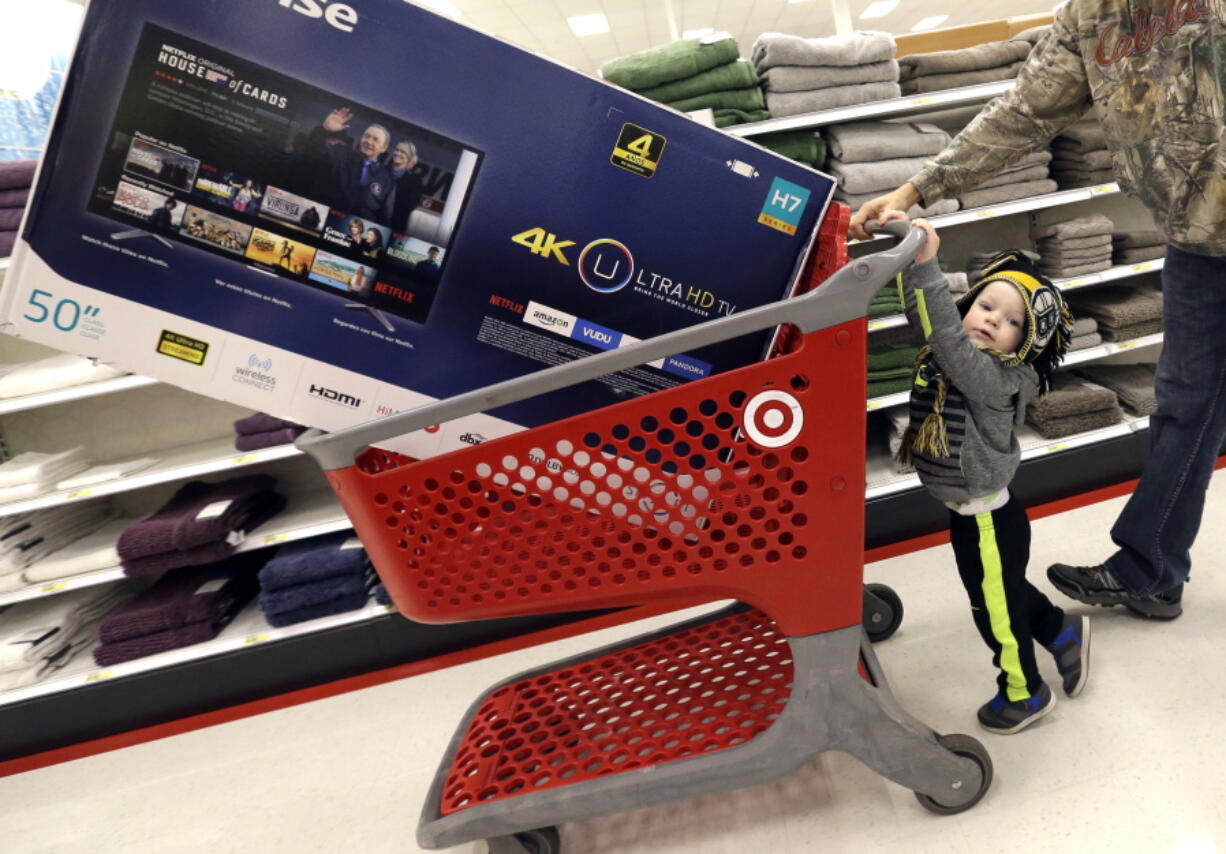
(257, 364)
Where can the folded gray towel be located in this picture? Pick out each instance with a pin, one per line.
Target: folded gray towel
(1068, 271)
(865, 142)
(958, 79)
(1085, 342)
(958, 283)
(1076, 256)
(1084, 326)
(1082, 422)
(1136, 239)
(1132, 384)
(1135, 330)
(1119, 306)
(1006, 193)
(1136, 256)
(1071, 180)
(981, 259)
(1087, 161)
(977, 58)
(1033, 34)
(857, 200)
(876, 177)
(802, 78)
(1070, 395)
(1057, 244)
(1085, 134)
(1015, 176)
(781, 104)
(858, 48)
(1091, 225)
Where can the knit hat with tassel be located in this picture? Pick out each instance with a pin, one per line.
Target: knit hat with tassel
(1045, 341)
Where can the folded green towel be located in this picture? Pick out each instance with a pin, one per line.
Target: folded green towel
(884, 309)
(881, 389)
(734, 75)
(749, 98)
(668, 62)
(894, 357)
(726, 118)
(804, 145)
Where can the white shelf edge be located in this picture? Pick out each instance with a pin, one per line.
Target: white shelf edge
(224, 643)
(885, 402)
(150, 478)
(922, 102)
(1030, 203)
(888, 322)
(76, 392)
(4, 265)
(1092, 353)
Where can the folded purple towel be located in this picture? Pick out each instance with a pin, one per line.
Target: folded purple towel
(108, 654)
(7, 239)
(16, 174)
(261, 422)
(308, 595)
(202, 594)
(14, 198)
(314, 612)
(269, 439)
(10, 218)
(198, 514)
(312, 560)
(208, 553)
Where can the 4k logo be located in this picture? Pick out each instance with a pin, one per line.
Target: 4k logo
(543, 243)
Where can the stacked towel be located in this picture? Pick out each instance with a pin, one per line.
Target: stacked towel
(202, 523)
(805, 75)
(899, 420)
(803, 146)
(60, 371)
(180, 609)
(27, 538)
(40, 636)
(885, 302)
(315, 578)
(889, 369)
(872, 158)
(1123, 312)
(949, 69)
(1085, 334)
(33, 473)
(88, 554)
(978, 260)
(694, 74)
(1132, 384)
(379, 591)
(1073, 406)
(1028, 177)
(1074, 247)
(16, 176)
(95, 475)
(1082, 158)
(264, 431)
(1133, 247)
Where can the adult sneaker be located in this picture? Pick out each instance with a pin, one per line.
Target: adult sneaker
(1002, 716)
(1095, 585)
(1071, 649)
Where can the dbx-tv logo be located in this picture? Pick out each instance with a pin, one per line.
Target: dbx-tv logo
(605, 265)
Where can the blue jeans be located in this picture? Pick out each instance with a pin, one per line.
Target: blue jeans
(1159, 524)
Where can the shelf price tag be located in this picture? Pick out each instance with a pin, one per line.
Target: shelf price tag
(80, 493)
(250, 639)
(986, 214)
(246, 458)
(275, 538)
(919, 102)
(101, 674)
(53, 588)
(874, 404)
(1104, 189)
(1143, 267)
(1125, 345)
(1059, 446)
(1074, 283)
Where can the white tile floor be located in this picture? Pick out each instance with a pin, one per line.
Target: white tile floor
(1134, 764)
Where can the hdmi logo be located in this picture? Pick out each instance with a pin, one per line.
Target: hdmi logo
(336, 396)
(338, 15)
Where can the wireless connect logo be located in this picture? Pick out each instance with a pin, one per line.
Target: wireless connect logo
(606, 265)
(257, 364)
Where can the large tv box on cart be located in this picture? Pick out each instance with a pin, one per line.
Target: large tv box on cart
(332, 212)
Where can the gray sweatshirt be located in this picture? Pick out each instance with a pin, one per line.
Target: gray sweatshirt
(985, 400)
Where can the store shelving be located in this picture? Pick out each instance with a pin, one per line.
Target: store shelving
(76, 392)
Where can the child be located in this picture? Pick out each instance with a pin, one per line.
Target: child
(985, 358)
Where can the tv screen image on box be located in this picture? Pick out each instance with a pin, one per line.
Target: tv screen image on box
(215, 151)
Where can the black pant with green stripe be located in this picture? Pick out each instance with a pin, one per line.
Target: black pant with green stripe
(992, 550)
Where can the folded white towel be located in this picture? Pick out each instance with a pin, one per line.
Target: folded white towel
(48, 532)
(106, 472)
(42, 629)
(35, 467)
(60, 371)
(89, 554)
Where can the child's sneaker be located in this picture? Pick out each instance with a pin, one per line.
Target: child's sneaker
(1002, 716)
(1071, 649)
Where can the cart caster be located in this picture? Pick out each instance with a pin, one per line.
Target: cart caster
(542, 840)
(882, 611)
(969, 747)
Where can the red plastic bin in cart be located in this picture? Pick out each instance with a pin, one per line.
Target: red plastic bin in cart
(747, 485)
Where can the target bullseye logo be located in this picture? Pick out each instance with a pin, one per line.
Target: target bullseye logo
(774, 419)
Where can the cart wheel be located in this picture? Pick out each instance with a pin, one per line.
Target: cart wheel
(882, 611)
(542, 840)
(970, 748)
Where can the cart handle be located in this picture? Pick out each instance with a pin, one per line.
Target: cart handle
(842, 297)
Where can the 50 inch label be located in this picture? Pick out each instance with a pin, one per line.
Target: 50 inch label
(65, 314)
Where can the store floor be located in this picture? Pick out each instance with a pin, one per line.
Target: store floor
(1137, 763)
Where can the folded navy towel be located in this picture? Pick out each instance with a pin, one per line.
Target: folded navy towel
(308, 595)
(314, 612)
(209, 552)
(16, 174)
(381, 594)
(108, 654)
(201, 594)
(198, 514)
(270, 439)
(261, 422)
(316, 559)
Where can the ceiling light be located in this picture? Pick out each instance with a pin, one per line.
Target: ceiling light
(589, 25)
(929, 23)
(800, 1)
(879, 9)
(443, 7)
(699, 33)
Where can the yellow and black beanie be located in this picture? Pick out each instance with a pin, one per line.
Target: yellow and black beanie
(1049, 324)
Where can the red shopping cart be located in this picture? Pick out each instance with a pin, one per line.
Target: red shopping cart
(747, 485)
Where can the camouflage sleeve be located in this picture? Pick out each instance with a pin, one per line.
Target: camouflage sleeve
(1051, 93)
